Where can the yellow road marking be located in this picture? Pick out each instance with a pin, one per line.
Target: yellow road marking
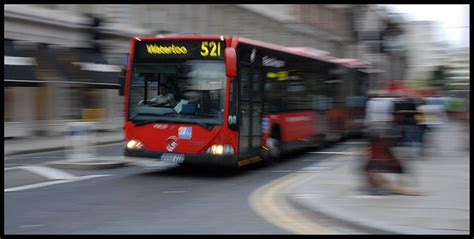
(269, 202)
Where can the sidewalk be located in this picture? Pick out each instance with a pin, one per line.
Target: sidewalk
(45, 144)
(443, 174)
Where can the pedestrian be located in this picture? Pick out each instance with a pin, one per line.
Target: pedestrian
(381, 160)
(404, 113)
(421, 127)
(434, 118)
(378, 120)
(384, 133)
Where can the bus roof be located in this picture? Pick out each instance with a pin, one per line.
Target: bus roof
(351, 62)
(300, 51)
(181, 37)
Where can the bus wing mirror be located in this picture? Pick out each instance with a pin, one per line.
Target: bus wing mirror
(230, 62)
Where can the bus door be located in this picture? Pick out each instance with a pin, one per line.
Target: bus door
(251, 109)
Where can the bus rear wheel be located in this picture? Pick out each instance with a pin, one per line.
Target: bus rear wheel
(274, 147)
(272, 153)
(274, 144)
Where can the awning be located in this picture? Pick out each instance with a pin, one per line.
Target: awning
(18, 67)
(30, 64)
(86, 67)
(96, 68)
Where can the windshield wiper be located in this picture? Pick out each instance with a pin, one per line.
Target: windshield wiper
(153, 114)
(142, 122)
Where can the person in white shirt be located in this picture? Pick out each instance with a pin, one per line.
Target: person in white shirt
(165, 98)
(378, 114)
(383, 135)
(434, 112)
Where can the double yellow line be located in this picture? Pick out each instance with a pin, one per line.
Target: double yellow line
(270, 202)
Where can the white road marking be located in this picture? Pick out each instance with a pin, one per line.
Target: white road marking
(12, 164)
(338, 153)
(151, 164)
(38, 185)
(306, 170)
(46, 172)
(324, 164)
(41, 157)
(362, 143)
(367, 196)
(273, 171)
(11, 168)
(174, 191)
(307, 195)
(28, 226)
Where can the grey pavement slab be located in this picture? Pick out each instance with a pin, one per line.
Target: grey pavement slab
(443, 175)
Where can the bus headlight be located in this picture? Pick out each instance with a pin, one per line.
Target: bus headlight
(220, 149)
(134, 144)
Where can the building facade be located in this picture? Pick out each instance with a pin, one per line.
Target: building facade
(457, 72)
(425, 53)
(59, 40)
(378, 37)
(52, 75)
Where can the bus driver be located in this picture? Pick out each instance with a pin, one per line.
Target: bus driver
(165, 98)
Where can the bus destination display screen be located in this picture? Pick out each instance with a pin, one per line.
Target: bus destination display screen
(180, 49)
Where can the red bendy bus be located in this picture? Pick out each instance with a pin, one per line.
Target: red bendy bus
(236, 101)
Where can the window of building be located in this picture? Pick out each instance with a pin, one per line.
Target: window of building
(8, 103)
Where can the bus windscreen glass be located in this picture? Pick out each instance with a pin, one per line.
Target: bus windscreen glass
(192, 91)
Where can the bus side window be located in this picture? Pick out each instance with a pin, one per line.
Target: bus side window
(276, 95)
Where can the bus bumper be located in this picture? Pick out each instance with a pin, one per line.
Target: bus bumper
(230, 161)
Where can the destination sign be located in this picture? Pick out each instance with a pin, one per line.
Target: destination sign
(180, 49)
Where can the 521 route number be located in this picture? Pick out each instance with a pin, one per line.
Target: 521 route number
(210, 48)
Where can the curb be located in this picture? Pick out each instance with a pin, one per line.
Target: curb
(94, 164)
(30, 151)
(317, 211)
(357, 224)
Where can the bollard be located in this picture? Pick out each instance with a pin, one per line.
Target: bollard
(81, 137)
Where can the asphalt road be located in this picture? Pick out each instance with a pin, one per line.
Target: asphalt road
(142, 198)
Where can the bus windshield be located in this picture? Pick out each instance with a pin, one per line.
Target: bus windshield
(185, 91)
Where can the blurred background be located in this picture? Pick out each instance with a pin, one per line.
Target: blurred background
(63, 62)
